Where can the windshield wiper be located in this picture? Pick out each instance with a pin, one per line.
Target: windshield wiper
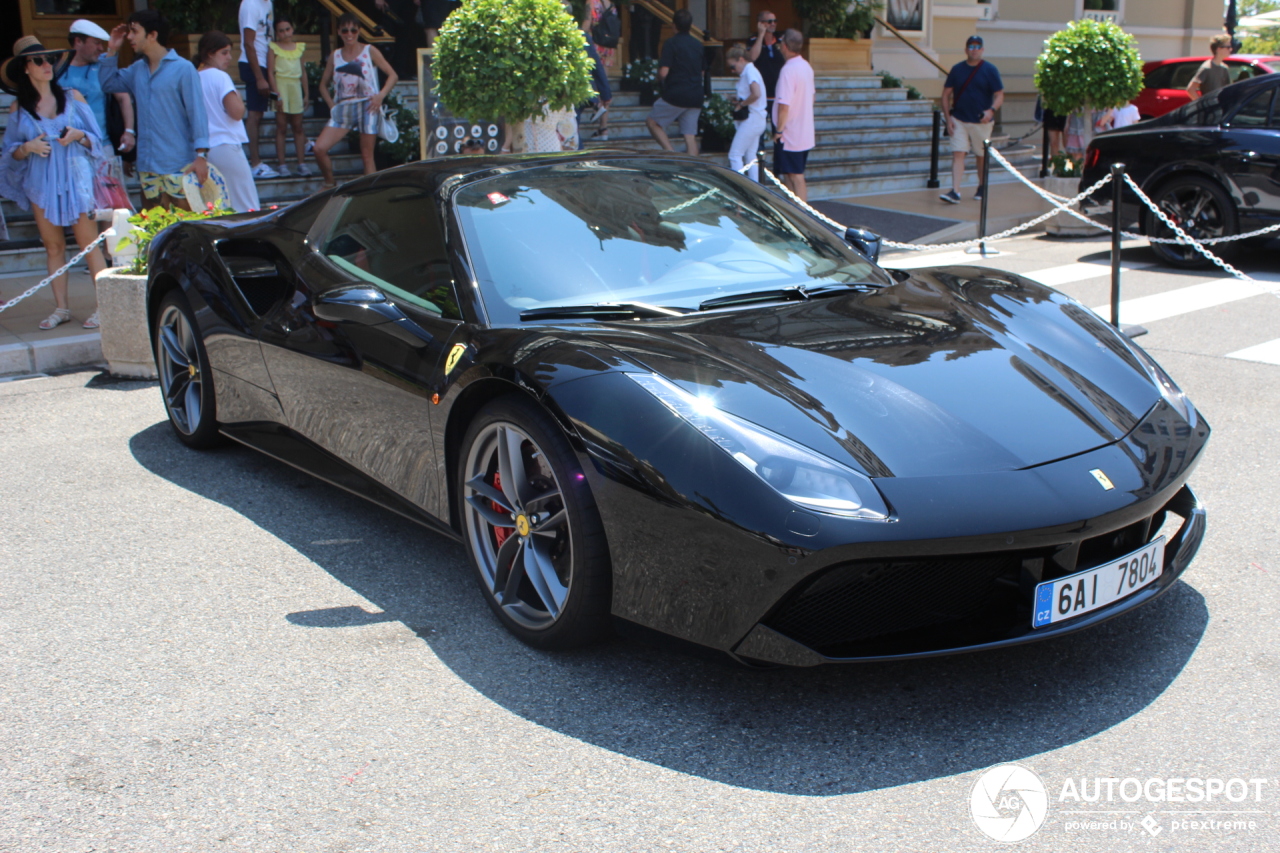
(785, 294)
(600, 310)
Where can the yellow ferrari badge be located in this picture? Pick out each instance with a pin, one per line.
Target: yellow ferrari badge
(455, 355)
(522, 525)
(1103, 479)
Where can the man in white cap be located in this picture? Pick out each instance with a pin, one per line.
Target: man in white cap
(88, 41)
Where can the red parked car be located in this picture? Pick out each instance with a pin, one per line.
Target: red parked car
(1167, 79)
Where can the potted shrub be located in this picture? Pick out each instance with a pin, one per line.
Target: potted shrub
(319, 106)
(519, 60)
(122, 295)
(1064, 180)
(715, 124)
(1091, 65)
(641, 76)
(837, 30)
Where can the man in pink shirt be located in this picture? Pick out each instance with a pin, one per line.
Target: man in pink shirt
(793, 115)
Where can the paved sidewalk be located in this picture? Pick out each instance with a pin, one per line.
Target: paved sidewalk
(913, 212)
(25, 348)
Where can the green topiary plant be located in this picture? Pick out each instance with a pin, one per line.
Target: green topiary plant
(510, 59)
(1090, 65)
(839, 19)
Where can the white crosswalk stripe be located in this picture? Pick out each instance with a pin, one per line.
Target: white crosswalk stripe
(1184, 300)
(1268, 352)
(1070, 273)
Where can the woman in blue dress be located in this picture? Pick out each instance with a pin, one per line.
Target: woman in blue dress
(48, 162)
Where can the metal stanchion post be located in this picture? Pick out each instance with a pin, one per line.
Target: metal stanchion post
(983, 182)
(1044, 153)
(1117, 186)
(933, 150)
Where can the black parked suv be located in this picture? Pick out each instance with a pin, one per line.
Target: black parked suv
(1213, 166)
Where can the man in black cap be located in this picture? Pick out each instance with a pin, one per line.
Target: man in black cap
(970, 97)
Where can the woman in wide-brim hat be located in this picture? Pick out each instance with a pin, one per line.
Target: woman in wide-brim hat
(48, 161)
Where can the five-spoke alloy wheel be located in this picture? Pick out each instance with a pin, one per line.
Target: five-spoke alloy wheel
(185, 379)
(1200, 208)
(531, 527)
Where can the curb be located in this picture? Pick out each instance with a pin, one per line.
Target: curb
(55, 354)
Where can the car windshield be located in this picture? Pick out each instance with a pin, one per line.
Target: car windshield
(665, 233)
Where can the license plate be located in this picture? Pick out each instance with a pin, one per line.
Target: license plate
(1075, 595)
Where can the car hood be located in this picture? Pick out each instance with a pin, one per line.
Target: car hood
(955, 370)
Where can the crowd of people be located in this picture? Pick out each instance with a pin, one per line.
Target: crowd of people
(80, 122)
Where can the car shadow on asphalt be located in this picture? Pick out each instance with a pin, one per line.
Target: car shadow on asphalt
(815, 732)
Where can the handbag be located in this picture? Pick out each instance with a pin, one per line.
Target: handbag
(741, 113)
(387, 128)
(108, 186)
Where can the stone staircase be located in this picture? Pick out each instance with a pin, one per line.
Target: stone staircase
(870, 140)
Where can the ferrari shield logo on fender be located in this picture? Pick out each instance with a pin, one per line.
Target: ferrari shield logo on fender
(455, 355)
(1103, 479)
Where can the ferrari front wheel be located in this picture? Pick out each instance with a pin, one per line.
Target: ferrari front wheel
(531, 527)
(186, 382)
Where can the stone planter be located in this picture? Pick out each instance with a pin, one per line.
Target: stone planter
(122, 312)
(1064, 224)
(839, 56)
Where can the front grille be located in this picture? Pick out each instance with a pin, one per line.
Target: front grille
(855, 602)
(905, 606)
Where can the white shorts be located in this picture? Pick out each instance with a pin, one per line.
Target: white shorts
(969, 137)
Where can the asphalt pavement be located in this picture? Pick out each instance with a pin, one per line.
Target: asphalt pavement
(209, 651)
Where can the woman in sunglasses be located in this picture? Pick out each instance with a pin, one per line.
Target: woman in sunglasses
(353, 69)
(47, 163)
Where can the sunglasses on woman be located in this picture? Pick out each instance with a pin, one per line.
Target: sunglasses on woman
(349, 30)
(40, 60)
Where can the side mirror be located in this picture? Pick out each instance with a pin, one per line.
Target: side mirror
(356, 303)
(866, 242)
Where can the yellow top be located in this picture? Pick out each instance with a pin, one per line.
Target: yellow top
(288, 62)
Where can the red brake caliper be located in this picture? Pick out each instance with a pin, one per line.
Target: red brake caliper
(500, 534)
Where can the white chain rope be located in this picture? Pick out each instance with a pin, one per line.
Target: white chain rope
(1183, 234)
(916, 247)
(1054, 198)
(62, 269)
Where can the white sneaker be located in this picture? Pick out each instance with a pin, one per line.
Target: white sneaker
(282, 171)
(304, 171)
(311, 147)
(262, 170)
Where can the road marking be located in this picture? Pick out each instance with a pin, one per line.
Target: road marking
(1184, 300)
(1068, 273)
(1268, 352)
(911, 262)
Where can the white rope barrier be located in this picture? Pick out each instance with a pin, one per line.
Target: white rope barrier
(1061, 204)
(1054, 198)
(62, 269)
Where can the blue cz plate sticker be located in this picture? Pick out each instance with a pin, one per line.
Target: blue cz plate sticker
(1075, 595)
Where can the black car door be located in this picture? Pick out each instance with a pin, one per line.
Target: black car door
(352, 355)
(1251, 153)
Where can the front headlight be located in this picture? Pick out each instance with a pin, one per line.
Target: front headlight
(800, 475)
(1169, 390)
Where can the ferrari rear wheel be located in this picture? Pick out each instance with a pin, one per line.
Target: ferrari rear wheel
(1199, 207)
(186, 381)
(531, 527)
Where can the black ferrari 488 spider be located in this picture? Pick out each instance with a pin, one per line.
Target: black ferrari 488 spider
(645, 392)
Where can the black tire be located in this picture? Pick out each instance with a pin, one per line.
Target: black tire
(534, 538)
(186, 382)
(1201, 208)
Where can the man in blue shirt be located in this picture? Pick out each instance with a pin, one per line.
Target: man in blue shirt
(88, 40)
(970, 97)
(173, 131)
